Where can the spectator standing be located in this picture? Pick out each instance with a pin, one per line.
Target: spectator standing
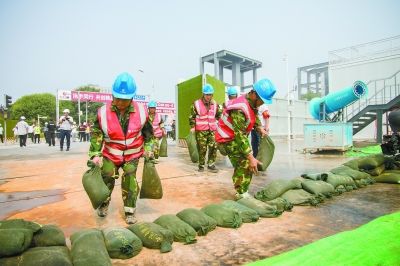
(87, 132)
(15, 131)
(45, 132)
(173, 130)
(22, 131)
(30, 132)
(51, 127)
(168, 128)
(82, 132)
(121, 135)
(74, 133)
(36, 131)
(203, 118)
(1, 133)
(65, 123)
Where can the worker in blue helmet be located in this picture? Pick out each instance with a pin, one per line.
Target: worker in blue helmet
(237, 120)
(158, 127)
(232, 95)
(121, 134)
(204, 114)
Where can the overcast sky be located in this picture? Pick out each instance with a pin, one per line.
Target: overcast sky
(48, 45)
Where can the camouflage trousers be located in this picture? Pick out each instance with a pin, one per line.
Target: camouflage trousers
(129, 185)
(206, 139)
(242, 175)
(156, 147)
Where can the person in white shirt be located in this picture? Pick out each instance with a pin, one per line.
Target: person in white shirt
(30, 132)
(22, 131)
(263, 115)
(65, 122)
(74, 133)
(15, 131)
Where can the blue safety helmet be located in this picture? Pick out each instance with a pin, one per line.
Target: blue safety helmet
(152, 104)
(124, 86)
(265, 89)
(208, 89)
(232, 91)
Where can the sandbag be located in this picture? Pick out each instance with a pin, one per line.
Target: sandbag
(318, 187)
(274, 190)
(225, 217)
(344, 170)
(121, 243)
(265, 152)
(353, 164)
(263, 209)
(361, 183)
(337, 180)
(192, 146)
(181, 230)
(41, 256)
(153, 236)
(371, 161)
(377, 171)
(14, 241)
(221, 149)
(164, 147)
(197, 219)
(280, 204)
(94, 185)
(20, 223)
(300, 197)
(88, 248)
(297, 181)
(388, 176)
(248, 215)
(151, 182)
(49, 235)
(316, 176)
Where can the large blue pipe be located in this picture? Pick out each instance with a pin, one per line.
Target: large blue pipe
(339, 99)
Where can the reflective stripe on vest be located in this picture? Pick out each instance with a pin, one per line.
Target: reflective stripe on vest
(118, 146)
(156, 127)
(205, 120)
(225, 130)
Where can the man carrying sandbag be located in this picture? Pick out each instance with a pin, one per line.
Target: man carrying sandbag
(237, 120)
(232, 95)
(203, 118)
(158, 128)
(121, 134)
(263, 115)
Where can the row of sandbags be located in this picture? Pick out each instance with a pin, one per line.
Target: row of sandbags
(29, 243)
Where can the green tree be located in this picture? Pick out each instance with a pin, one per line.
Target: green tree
(309, 95)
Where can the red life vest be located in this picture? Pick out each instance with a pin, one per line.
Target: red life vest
(225, 131)
(156, 127)
(118, 147)
(205, 120)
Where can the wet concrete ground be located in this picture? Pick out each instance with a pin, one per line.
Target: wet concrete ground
(42, 184)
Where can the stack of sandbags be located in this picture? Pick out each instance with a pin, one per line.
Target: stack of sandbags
(201, 222)
(388, 176)
(361, 179)
(224, 216)
(263, 209)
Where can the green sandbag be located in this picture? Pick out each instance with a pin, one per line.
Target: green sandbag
(197, 219)
(14, 241)
(274, 189)
(316, 176)
(49, 235)
(20, 223)
(181, 230)
(41, 256)
(225, 217)
(344, 170)
(221, 149)
(297, 197)
(353, 164)
(265, 152)
(371, 161)
(377, 171)
(388, 177)
(263, 209)
(151, 182)
(248, 215)
(88, 248)
(297, 181)
(337, 180)
(318, 187)
(391, 163)
(361, 183)
(280, 204)
(192, 146)
(164, 147)
(153, 236)
(94, 185)
(121, 243)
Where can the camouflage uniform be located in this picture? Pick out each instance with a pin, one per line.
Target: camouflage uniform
(205, 138)
(239, 148)
(156, 140)
(109, 170)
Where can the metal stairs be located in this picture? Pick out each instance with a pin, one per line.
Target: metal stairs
(365, 111)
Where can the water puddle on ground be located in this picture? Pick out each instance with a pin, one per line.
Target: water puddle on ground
(14, 202)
